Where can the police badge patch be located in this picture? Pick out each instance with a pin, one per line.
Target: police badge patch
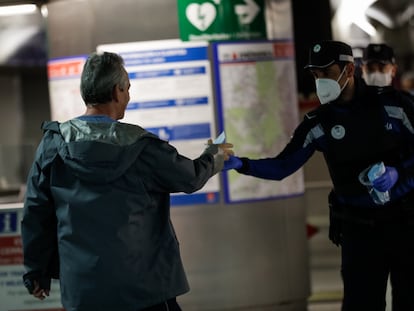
(338, 132)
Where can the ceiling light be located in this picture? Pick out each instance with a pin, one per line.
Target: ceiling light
(17, 9)
(347, 14)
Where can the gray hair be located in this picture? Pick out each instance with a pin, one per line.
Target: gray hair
(101, 73)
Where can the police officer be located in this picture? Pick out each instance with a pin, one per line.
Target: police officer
(378, 65)
(356, 126)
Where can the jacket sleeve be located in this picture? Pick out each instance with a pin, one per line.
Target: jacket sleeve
(405, 183)
(172, 172)
(39, 234)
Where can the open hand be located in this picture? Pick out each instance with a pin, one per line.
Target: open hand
(224, 148)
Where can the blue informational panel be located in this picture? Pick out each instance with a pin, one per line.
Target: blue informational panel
(171, 96)
(8, 223)
(13, 294)
(258, 109)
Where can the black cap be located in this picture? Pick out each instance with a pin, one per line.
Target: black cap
(378, 53)
(326, 53)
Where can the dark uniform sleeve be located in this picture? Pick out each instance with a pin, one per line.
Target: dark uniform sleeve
(405, 183)
(304, 142)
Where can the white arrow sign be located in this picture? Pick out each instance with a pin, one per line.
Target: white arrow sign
(247, 12)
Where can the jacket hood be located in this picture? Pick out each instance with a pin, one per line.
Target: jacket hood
(98, 152)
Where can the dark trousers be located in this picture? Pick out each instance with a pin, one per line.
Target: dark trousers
(169, 305)
(371, 253)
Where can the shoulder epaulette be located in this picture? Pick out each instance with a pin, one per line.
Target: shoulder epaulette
(310, 115)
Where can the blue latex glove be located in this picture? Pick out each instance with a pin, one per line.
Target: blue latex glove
(232, 163)
(387, 180)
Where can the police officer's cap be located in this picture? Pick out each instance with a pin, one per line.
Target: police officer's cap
(378, 53)
(326, 53)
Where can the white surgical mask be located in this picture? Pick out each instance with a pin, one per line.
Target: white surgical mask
(328, 90)
(377, 78)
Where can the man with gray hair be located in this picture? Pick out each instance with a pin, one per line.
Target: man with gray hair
(97, 207)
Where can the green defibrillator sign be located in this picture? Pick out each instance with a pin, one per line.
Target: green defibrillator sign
(212, 20)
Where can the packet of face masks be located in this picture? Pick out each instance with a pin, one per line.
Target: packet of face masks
(220, 139)
(368, 175)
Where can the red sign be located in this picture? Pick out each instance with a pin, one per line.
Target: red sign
(65, 68)
(11, 252)
(283, 50)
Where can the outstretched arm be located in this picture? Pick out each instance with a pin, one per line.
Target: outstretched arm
(300, 148)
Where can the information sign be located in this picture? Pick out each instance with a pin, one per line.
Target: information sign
(256, 91)
(64, 87)
(13, 294)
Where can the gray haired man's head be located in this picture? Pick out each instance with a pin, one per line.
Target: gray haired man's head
(101, 73)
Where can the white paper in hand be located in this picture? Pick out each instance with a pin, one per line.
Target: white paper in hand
(220, 139)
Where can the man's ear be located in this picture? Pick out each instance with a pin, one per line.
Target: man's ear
(350, 69)
(115, 92)
(394, 70)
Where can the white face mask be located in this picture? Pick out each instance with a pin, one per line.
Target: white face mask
(328, 90)
(377, 78)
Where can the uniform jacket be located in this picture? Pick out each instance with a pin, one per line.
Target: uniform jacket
(376, 125)
(98, 194)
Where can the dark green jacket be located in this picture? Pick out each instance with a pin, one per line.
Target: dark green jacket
(98, 194)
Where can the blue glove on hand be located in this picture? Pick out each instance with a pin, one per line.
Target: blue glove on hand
(232, 163)
(387, 180)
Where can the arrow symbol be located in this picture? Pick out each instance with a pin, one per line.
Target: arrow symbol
(247, 12)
